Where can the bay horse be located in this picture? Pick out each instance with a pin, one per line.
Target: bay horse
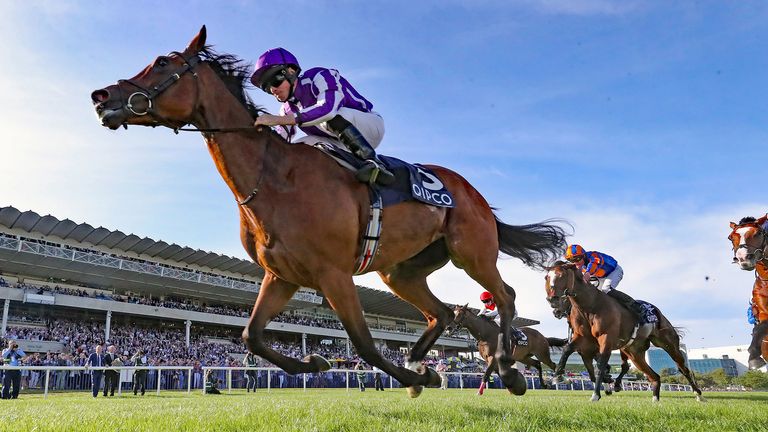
(486, 332)
(302, 215)
(599, 320)
(750, 240)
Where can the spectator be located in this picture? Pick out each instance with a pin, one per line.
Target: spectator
(140, 375)
(211, 383)
(441, 371)
(377, 382)
(12, 356)
(96, 359)
(360, 375)
(111, 376)
(249, 361)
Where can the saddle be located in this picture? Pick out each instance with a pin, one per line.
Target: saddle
(413, 182)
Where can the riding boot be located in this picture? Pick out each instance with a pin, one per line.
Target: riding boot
(755, 355)
(373, 171)
(628, 302)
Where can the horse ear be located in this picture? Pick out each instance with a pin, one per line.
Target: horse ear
(197, 43)
(466, 305)
(733, 225)
(762, 220)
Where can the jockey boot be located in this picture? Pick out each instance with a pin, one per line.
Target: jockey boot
(628, 302)
(373, 171)
(755, 355)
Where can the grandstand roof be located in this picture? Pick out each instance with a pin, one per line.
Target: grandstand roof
(84, 233)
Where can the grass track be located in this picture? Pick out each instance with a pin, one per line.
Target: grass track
(392, 410)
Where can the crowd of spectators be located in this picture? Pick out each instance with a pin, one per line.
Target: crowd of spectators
(184, 304)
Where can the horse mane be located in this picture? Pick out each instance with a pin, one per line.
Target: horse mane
(235, 73)
(746, 220)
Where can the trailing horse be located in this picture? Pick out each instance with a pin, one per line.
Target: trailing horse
(600, 325)
(486, 332)
(750, 240)
(287, 191)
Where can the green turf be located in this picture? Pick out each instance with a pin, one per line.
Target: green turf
(391, 410)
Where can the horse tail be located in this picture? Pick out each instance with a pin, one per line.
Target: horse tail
(536, 245)
(557, 342)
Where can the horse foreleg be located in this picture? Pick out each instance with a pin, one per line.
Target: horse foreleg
(273, 296)
(624, 369)
(492, 367)
(602, 368)
(341, 293)
(560, 369)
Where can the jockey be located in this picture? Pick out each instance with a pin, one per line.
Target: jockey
(323, 104)
(608, 273)
(489, 308)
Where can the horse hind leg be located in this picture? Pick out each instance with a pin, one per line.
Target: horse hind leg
(409, 281)
(273, 296)
(672, 347)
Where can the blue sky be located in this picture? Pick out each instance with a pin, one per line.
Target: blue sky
(640, 122)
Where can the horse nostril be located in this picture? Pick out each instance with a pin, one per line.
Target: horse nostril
(99, 96)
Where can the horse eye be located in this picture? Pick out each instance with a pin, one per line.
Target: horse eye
(162, 61)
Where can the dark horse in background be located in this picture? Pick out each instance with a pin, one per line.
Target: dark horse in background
(750, 240)
(600, 325)
(486, 332)
(288, 191)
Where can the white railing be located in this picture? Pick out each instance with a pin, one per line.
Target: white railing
(74, 378)
(77, 378)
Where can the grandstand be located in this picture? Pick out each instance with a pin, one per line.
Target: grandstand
(68, 285)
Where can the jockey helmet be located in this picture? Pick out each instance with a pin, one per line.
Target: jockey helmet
(270, 65)
(486, 297)
(574, 252)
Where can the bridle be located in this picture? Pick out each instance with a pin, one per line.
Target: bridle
(149, 95)
(758, 253)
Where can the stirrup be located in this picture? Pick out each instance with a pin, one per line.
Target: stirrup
(373, 172)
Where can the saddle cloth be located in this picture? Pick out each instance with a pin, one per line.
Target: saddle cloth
(522, 338)
(412, 181)
(649, 315)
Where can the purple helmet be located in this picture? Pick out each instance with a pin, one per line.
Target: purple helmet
(272, 63)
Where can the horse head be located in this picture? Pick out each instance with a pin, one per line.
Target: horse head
(459, 314)
(559, 283)
(163, 93)
(749, 241)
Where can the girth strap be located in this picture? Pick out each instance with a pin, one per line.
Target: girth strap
(371, 236)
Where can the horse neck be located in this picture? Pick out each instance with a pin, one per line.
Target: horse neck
(761, 271)
(239, 156)
(585, 298)
(480, 328)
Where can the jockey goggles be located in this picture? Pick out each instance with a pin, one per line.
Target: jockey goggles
(274, 81)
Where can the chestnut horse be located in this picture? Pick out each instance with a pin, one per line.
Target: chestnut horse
(599, 320)
(486, 332)
(302, 215)
(750, 240)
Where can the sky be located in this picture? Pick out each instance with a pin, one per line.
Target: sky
(639, 122)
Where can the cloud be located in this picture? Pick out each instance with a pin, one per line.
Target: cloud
(667, 256)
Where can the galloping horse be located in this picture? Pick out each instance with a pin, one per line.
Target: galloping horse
(600, 321)
(487, 332)
(302, 215)
(750, 240)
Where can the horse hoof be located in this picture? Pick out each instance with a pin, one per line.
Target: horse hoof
(519, 385)
(434, 378)
(319, 362)
(414, 391)
(700, 398)
(608, 391)
(617, 389)
(655, 399)
(594, 398)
